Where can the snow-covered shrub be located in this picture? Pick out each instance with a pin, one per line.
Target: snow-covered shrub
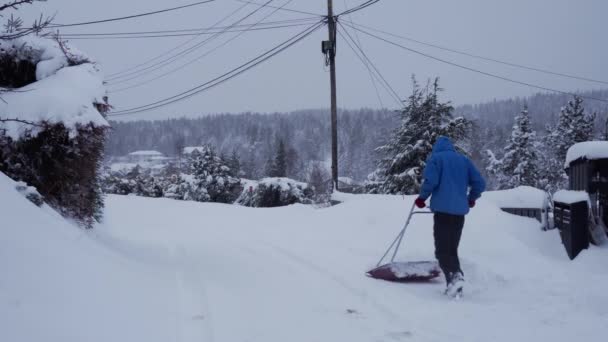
(275, 192)
(214, 180)
(52, 132)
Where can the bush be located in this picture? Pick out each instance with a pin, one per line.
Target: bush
(62, 166)
(275, 192)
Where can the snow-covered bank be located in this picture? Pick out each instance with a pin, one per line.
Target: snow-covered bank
(58, 284)
(164, 270)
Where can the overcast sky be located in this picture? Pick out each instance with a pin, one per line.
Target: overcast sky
(567, 36)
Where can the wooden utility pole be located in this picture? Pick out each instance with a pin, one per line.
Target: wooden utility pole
(329, 48)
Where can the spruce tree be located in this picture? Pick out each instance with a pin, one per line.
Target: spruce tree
(423, 120)
(573, 126)
(519, 163)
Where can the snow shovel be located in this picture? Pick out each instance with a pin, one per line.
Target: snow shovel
(412, 271)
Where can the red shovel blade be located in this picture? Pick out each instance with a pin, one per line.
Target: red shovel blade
(406, 271)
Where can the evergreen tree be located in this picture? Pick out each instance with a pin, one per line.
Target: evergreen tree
(278, 166)
(573, 126)
(519, 163)
(214, 181)
(423, 120)
(235, 164)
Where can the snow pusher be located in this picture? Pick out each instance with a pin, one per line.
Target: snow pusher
(411, 271)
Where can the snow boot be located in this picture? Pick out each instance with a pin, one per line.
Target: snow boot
(455, 286)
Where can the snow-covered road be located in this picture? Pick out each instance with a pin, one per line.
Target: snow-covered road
(296, 274)
(160, 270)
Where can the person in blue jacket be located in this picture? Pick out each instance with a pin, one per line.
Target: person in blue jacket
(454, 184)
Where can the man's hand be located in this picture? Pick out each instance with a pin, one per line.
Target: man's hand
(471, 203)
(420, 203)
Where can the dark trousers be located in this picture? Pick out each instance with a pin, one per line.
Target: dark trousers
(447, 231)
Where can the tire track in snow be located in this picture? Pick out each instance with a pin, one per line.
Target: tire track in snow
(194, 317)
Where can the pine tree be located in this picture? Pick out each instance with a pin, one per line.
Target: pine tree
(277, 167)
(573, 126)
(519, 163)
(235, 164)
(423, 120)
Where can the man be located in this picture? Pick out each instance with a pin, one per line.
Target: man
(453, 183)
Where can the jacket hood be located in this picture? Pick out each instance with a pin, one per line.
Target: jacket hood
(443, 144)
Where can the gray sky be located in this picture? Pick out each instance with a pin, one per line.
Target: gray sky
(561, 35)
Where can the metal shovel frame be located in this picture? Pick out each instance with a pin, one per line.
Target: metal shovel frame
(397, 242)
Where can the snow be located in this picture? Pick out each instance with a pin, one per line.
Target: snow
(66, 97)
(165, 270)
(589, 150)
(62, 93)
(569, 196)
(146, 153)
(520, 197)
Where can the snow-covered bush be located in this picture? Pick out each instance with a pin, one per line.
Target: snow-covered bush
(275, 192)
(52, 130)
(214, 180)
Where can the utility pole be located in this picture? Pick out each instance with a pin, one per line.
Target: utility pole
(329, 49)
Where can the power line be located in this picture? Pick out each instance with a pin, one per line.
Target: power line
(113, 37)
(226, 76)
(283, 9)
(369, 71)
(358, 8)
(201, 56)
(167, 52)
(468, 54)
(183, 53)
(190, 30)
(132, 16)
(474, 70)
(370, 66)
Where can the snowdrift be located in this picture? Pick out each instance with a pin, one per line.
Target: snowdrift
(166, 270)
(59, 283)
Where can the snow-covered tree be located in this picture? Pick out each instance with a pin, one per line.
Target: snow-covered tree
(573, 126)
(423, 120)
(518, 165)
(214, 180)
(279, 163)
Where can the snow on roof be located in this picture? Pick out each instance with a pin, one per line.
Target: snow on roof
(520, 197)
(588, 150)
(146, 153)
(569, 196)
(190, 149)
(62, 94)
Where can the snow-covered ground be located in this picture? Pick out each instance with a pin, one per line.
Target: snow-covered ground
(164, 270)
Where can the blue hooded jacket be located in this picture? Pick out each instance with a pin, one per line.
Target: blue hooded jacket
(451, 180)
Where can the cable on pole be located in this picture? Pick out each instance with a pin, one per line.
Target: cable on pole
(198, 58)
(131, 16)
(226, 76)
(373, 71)
(494, 60)
(283, 9)
(167, 52)
(472, 69)
(169, 60)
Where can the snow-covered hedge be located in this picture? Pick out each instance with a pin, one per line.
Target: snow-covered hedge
(52, 130)
(275, 192)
